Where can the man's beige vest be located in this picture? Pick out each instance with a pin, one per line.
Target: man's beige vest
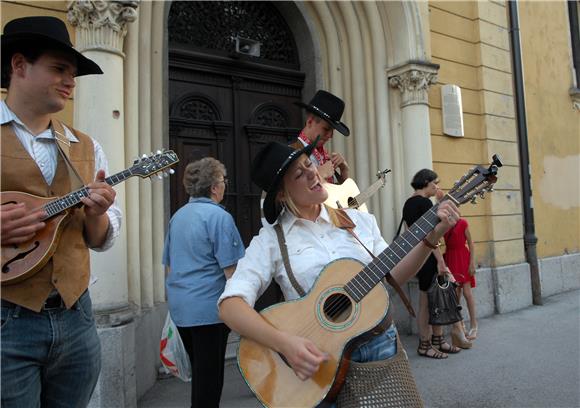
(68, 270)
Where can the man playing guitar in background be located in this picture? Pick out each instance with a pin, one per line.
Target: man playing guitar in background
(324, 113)
(50, 348)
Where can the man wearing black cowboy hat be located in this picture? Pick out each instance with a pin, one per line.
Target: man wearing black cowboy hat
(50, 348)
(324, 113)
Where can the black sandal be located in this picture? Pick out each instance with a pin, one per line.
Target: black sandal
(425, 347)
(439, 343)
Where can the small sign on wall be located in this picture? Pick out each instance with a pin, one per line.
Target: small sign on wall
(452, 110)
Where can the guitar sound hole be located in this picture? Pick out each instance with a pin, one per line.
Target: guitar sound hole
(337, 308)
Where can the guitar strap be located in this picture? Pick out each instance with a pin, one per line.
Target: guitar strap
(399, 229)
(341, 220)
(63, 145)
(284, 251)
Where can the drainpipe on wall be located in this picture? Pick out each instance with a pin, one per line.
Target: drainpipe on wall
(530, 239)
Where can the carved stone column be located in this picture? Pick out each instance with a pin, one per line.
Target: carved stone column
(101, 25)
(413, 81)
(100, 28)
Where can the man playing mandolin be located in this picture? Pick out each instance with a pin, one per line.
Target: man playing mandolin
(306, 237)
(50, 348)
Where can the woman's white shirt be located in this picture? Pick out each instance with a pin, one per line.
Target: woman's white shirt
(311, 246)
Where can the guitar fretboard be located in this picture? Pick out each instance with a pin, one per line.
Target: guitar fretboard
(359, 286)
(74, 198)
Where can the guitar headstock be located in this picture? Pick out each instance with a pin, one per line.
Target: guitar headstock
(149, 165)
(475, 183)
(382, 175)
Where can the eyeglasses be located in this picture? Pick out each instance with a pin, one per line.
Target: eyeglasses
(225, 181)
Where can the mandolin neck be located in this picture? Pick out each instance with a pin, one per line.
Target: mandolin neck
(73, 199)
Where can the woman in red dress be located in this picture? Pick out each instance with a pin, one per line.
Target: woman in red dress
(460, 259)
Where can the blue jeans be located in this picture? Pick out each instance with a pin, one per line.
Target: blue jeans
(51, 358)
(379, 348)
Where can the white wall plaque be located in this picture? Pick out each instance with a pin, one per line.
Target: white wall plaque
(452, 110)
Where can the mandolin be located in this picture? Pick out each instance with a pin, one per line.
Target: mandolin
(19, 261)
(349, 194)
(345, 306)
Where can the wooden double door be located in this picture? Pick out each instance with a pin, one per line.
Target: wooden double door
(229, 109)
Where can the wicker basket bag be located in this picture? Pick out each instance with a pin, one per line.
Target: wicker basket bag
(380, 384)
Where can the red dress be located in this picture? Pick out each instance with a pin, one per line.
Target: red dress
(457, 254)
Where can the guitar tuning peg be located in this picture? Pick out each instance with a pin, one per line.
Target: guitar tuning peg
(171, 171)
(474, 200)
(144, 156)
(159, 176)
(165, 174)
(158, 152)
(482, 195)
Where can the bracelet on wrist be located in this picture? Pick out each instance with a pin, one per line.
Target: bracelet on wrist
(429, 244)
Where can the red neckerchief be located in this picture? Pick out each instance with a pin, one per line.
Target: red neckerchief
(319, 153)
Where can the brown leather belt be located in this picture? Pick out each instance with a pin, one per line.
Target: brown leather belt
(53, 302)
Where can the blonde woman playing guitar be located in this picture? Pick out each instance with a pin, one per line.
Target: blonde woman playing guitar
(292, 359)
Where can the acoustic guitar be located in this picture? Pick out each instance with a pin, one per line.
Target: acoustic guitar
(345, 306)
(347, 194)
(20, 261)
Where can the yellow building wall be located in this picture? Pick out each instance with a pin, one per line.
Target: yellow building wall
(9, 10)
(553, 126)
(470, 42)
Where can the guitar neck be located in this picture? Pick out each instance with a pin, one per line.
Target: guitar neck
(362, 198)
(359, 286)
(74, 198)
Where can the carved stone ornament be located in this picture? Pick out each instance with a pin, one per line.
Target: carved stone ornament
(101, 25)
(413, 80)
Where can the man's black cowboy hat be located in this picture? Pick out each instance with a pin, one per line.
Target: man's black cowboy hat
(46, 31)
(329, 107)
(268, 168)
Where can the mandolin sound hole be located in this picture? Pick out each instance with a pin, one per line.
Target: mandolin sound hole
(337, 308)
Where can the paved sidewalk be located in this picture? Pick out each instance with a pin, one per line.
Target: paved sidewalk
(529, 358)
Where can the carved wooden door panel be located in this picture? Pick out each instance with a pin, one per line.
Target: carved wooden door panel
(226, 103)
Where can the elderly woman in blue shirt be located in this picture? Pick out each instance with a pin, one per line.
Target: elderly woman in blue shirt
(202, 249)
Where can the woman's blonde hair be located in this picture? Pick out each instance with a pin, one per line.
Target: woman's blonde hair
(200, 175)
(287, 201)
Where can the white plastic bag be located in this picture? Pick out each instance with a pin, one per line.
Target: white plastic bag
(172, 352)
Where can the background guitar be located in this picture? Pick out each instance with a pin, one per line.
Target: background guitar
(20, 261)
(348, 195)
(345, 305)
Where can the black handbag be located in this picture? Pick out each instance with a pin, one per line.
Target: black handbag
(444, 307)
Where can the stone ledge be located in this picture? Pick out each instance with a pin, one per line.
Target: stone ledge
(513, 289)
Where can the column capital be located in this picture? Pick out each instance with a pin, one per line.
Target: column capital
(101, 25)
(413, 79)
